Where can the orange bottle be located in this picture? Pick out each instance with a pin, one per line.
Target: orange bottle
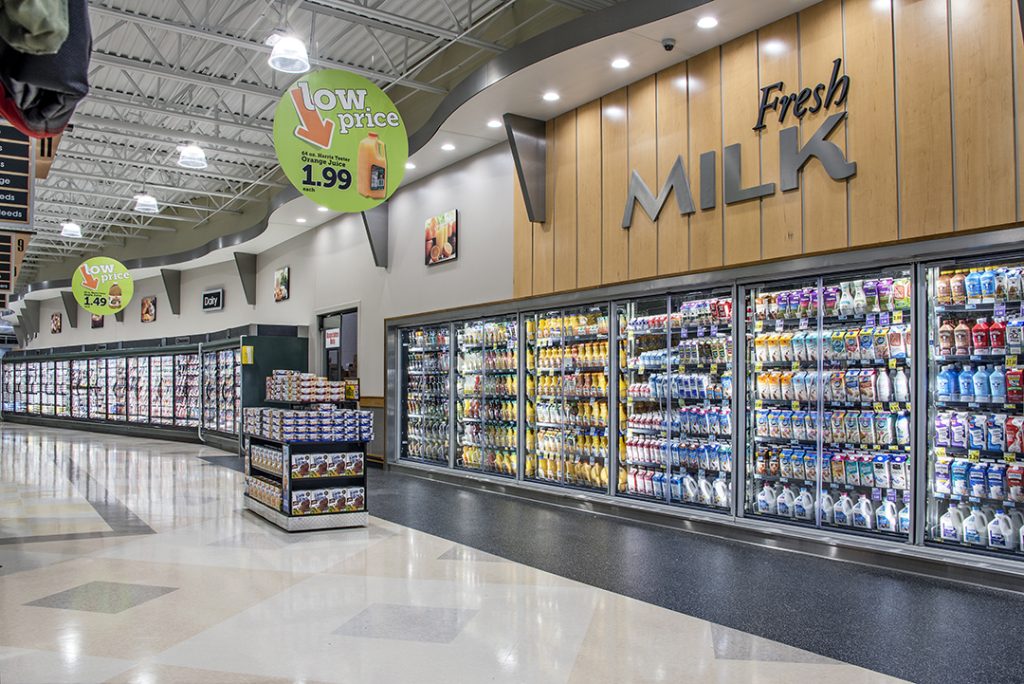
(373, 168)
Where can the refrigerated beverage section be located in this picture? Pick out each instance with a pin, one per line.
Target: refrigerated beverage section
(426, 391)
(976, 405)
(829, 379)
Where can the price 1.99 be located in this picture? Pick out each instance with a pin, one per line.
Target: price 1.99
(329, 177)
(94, 300)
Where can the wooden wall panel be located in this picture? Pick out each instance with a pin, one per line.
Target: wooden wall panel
(643, 158)
(614, 187)
(522, 244)
(923, 117)
(673, 127)
(983, 113)
(588, 195)
(782, 223)
(543, 233)
(824, 200)
(871, 130)
(740, 89)
(565, 202)
(706, 134)
(1018, 89)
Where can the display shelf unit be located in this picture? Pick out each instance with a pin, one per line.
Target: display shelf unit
(293, 486)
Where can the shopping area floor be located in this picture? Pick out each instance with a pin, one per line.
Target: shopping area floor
(131, 560)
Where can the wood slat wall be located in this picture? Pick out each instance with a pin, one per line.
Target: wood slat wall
(935, 123)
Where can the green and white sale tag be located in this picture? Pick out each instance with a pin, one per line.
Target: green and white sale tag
(340, 140)
(102, 285)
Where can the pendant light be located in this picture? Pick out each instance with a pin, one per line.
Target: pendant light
(191, 156)
(289, 54)
(70, 229)
(146, 203)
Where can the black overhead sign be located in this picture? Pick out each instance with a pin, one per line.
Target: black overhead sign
(15, 178)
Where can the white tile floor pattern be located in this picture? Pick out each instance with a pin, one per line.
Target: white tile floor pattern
(127, 560)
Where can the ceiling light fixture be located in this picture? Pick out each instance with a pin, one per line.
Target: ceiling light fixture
(620, 63)
(191, 156)
(146, 204)
(447, 147)
(289, 54)
(551, 96)
(70, 229)
(300, 220)
(410, 165)
(708, 22)
(494, 123)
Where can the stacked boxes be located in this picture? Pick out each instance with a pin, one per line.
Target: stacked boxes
(330, 425)
(265, 458)
(337, 500)
(308, 388)
(264, 491)
(306, 466)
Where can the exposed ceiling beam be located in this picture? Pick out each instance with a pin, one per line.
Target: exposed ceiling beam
(128, 128)
(182, 76)
(89, 193)
(212, 36)
(99, 158)
(154, 186)
(149, 105)
(80, 218)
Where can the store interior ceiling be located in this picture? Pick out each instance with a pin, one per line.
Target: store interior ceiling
(168, 74)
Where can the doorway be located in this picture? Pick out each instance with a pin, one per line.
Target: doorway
(339, 335)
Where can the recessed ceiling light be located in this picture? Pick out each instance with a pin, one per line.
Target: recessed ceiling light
(707, 22)
(550, 96)
(410, 165)
(300, 220)
(494, 123)
(620, 63)
(447, 147)
(322, 209)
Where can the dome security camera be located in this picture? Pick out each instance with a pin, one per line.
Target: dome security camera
(668, 43)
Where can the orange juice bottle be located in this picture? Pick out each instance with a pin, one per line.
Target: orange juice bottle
(373, 168)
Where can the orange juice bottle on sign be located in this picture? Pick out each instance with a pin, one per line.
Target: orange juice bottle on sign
(373, 168)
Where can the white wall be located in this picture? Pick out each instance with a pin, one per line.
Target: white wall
(332, 268)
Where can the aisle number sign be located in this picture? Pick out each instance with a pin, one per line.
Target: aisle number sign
(340, 140)
(102, 285)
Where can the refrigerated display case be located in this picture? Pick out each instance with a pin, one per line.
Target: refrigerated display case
(8, 385)
(186, 389)
(34, 388)
(675, 368)
(487, 368)
(567, 395)
(426, 393)
(975, 474)
(62, 388)
(48, 389)
(97, 389)
(138, 389)
(221, 376)
(829, 379)
(161, 389)
(79, 387)
(117, 389)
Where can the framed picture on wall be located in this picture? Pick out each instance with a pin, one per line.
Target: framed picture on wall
(281, 284)
(56, 323)
(441, 238)
(148, 309)
(97, 321)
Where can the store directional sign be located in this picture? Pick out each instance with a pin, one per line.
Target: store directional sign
(15, 176)
(12, 252)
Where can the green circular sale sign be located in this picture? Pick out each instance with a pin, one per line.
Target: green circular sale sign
(102, 285)
(340, 140)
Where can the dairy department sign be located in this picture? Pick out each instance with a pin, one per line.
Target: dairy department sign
(792, 155)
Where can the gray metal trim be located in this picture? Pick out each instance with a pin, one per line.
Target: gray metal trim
(172, 285)
(375, 221)
(119, 316)
(70, 307)
(246, 265)
(528, 141)
(31, 312)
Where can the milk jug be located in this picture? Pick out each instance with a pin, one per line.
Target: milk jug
(766, 500)
(904, 520)
(784, 502)
(976, 527)
(843, 511)
(886, 517)
(704, 491)
(864, 514)
(827, 508)
(1002, 532)
(721, 492)
(689, 489)
(951, 525)
(803, 506)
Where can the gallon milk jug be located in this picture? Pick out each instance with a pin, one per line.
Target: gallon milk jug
(864, 514)
(689, 489)
(766, 500)
(784, 502)
(976, 527)
(904, 520)
(704, 491)
(721, 492)
(843, 511)
(951, 525)
(827, 508)
(803, 506)
(886, 517)
(1002, 533)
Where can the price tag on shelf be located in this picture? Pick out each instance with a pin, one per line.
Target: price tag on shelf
(883, 318)
(1011, 360)
(795, 406)
(897, 317)
(999, 309)
(714, 330)
(973, 455)
(780, 325)
(684, 332)
(892, 363)
(758, 365)
(869, 321)
(713, 368)
(700, 331)
(758, 404)
(758, 325)
(877, 406)
(1010, 458)
(630, 335)
(894, 406)
(803, 324)
(795, 366)
(876, 494)
(1021, 313)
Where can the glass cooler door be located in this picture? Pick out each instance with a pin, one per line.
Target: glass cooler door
(97, 389)
(8, 380)
(426, 387)
(62, 388)
(80, 388)
(210, 390)
(975, 496)
(34, 388)
(138, 389)
(161, 389)
(47, 378)
(117, 388)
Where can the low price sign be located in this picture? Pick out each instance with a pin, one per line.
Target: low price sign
(102, 285)
(340, 140)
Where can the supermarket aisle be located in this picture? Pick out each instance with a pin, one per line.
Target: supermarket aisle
(131, 561)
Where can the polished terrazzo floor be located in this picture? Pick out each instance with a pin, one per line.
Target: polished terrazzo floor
(130, 560)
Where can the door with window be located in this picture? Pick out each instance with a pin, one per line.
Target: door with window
(339, 334)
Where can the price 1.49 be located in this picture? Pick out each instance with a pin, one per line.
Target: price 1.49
(329, 177)
(95, 300)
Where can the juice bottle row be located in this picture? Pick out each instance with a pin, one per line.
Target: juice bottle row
(491, 360)
(961, 477)
(981, 431)
(475, 385)
(574, 385)
(489, 410)
(984, 285)
(962, 337)
(583, 354)
(436, 385)
(485, 459)
(572, 414)
(679, 454)
(853, 297)
(431, 451)
(583, 473)
(715, 311)
(428, 362)
(698, 350)
(555, 443)
(691, 420)
(983, 526)
(684, 386)
(886, 428)
(488, 334)
(873, 343)
(979, 384)
(556, 328)
(489, 436)
(864, 385)
(432, 337)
